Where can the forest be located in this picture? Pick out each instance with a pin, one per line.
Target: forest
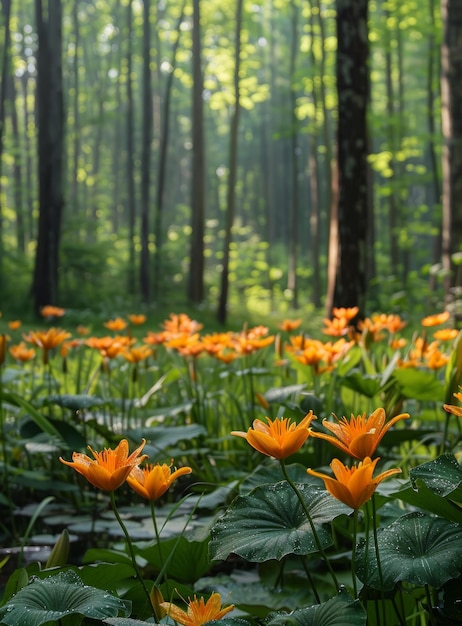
(224, 152)
(231, 306)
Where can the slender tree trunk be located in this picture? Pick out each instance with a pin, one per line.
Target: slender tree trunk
(146, 155)
(232, 176)
(131, 197)
(294, 208)
(50, 116)
(4, 69)
(451, 101)
(196, 263)
(352, 141)
(17, 169)
(435, 193)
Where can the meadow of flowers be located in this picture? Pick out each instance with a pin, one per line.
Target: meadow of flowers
(248, 477)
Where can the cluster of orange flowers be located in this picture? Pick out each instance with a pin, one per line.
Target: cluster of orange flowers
(358, 437)
(108, 470)
(182, 334)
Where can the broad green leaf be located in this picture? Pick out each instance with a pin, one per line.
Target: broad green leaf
(424, 498)
(185, 560)
(350, 360)
(442, 475)
(53, 598)
(339, 611)
(271, 473)
(124, 621)
(418, 548)
(270, 523)
(419, 385)
(364, 384)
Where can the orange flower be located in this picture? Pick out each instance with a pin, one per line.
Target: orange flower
(198, 611)
(152, 481)
(353, 485)
(436, 319)
(336, 327)
(52, 311)
(110, 468)
(278, 438)
(136, 354)
(436, 359)
(289, 325)
(359, 436)
(21, 353)
(116, 324)
(445, 334)
(137, 320)
(82, 330)
(181, 323)
(451, 408)
(14, 324)
(47, 340)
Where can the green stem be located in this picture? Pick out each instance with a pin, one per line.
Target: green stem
(353, 553)
(132, 552)
(313, 528)
(377, 555)
(157, 533)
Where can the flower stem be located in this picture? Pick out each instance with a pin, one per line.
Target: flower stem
(377, 556)
(132, 552)
(353, 553)
(313, 528)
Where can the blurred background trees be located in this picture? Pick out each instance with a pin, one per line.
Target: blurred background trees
(283, 154)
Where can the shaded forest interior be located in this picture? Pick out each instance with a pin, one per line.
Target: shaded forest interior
(290, 154)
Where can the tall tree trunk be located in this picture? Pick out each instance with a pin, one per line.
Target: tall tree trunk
(131, 198)
(435, 192)
(146, 155)
(50, 116)
(196, 262)
(232, 176)
(352, 142)
(4, 69)
(17, 169)
(293, 214)
(451, 101)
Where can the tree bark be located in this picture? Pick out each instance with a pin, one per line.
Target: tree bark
(352, 145)
(222, 310)
(50, 117)
(451, 101)
(146, 155)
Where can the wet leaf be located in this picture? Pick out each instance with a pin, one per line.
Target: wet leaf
(417, 548)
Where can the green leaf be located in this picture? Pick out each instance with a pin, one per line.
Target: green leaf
(55, 597)
(419, 385)
(75, 401)
(161, 437)
(426, 499)
(339, 611)
(42, 422)
(271, 473)
(442, 475)
(270, 523)
(418, 548)
(364, 384)
(278, 395)
(186, 560)
(124, 621)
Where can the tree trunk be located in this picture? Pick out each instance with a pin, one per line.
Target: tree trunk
(131, 198)
(146, 155)
(4, 69)
(293, 213)
(50, 117)
(451, 101)
(232, 176)
(352, 145)
(196, 262)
